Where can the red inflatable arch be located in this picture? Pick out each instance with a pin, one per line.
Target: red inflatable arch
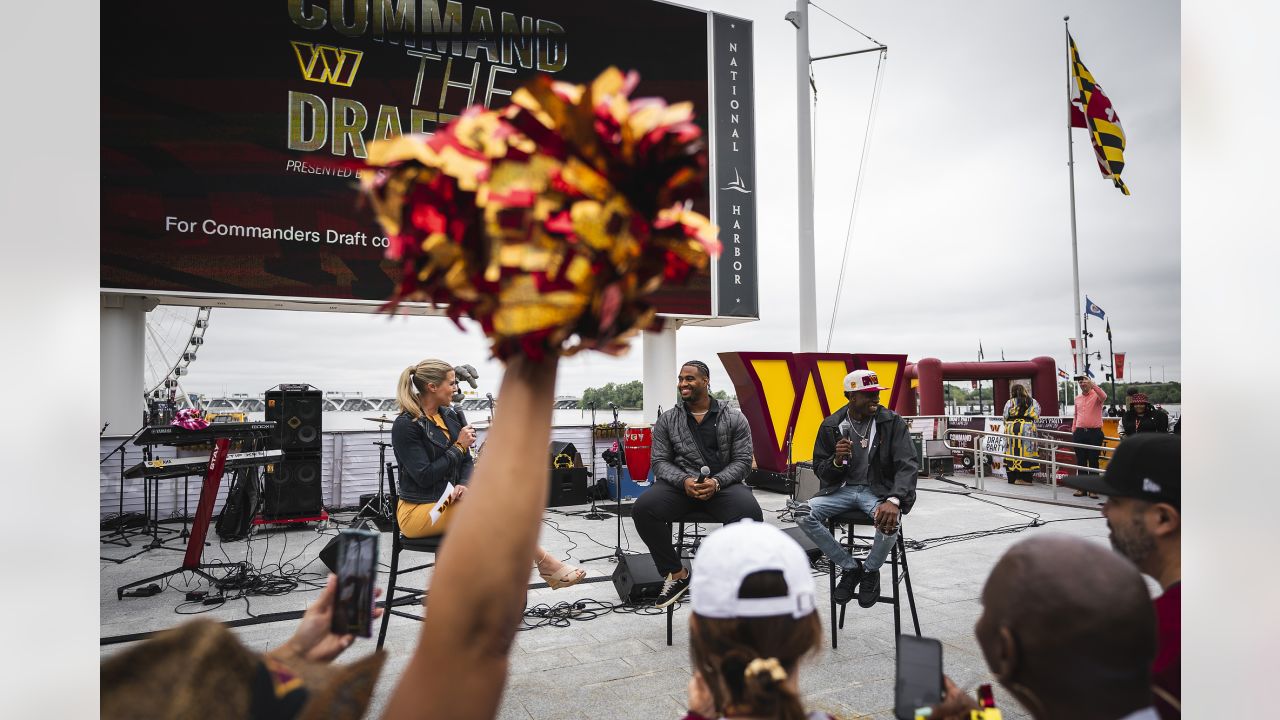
(931, 372)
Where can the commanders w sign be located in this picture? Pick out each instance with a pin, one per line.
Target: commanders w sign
(787, 395)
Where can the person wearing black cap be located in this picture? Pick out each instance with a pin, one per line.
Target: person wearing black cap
(1143, 485)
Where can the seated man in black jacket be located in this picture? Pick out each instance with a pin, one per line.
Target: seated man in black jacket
(865, 460)
(696, 434)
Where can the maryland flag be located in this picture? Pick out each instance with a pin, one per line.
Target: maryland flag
(1091, 110)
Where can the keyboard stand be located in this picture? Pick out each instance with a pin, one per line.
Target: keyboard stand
(200, 527)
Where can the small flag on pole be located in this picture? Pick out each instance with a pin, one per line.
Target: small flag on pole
(1108, 330)
(980, 350)
(1091, 109)
(1091, 308)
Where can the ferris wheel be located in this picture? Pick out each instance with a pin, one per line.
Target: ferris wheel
(174, 335)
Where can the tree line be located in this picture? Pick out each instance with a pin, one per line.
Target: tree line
(1159, 393)
(628, 395)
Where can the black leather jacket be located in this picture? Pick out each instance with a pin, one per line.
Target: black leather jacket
(892, 466)
(428, 459)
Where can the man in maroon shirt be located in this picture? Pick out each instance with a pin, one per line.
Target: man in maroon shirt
(1143, 485)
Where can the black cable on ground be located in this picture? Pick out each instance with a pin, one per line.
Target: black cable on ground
(564, 613)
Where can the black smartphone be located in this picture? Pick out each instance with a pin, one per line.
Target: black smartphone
(357, 563)
(919, 682)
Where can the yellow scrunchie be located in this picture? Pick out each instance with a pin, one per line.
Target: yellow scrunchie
(769, 665)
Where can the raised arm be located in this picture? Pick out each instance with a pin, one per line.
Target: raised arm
(477, 594)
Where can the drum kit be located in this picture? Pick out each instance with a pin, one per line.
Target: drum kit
(378, 507)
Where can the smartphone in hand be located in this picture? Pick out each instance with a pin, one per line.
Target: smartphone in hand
(357, 572)
(919, 680)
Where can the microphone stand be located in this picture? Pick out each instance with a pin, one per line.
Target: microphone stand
(594, 513)
(124, 535)
(791, 467)
(617, 463)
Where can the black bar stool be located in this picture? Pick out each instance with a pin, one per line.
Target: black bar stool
(695, 519)
(898, 555)
(399, 543)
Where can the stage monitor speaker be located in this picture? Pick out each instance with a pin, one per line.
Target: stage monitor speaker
(568, 487)
(291, 487)
(565, 455)
(329, 554)
(637, 580)
(807, 482)
(805, 543)
(298, 412)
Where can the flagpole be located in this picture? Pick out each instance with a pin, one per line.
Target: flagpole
(1112, 349)
(807, 287)
(1071, 169)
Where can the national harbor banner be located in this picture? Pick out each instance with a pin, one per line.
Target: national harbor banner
(735, 165)
(218, 119)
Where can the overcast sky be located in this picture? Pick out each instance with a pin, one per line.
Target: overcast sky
(963, 228)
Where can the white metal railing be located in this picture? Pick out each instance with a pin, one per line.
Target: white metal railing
(980, 452)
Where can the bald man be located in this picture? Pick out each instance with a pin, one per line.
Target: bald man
(1068, 629)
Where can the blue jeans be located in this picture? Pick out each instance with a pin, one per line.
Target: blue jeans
(824, 507)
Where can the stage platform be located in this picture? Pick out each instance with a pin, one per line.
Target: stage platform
(618, 665)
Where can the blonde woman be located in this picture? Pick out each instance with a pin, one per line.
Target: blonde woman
(432, 444)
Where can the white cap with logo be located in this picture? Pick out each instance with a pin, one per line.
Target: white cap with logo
(861, 381)
(728, 555)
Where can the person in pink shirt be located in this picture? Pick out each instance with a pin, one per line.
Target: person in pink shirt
(1087, 426)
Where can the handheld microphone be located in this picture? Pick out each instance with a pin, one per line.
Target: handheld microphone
(490, 397)
(703, 472)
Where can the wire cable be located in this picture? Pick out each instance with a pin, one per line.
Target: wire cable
(842, 22)
(857, 190)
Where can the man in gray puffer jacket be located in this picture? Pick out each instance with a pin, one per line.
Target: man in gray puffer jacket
(701, 456)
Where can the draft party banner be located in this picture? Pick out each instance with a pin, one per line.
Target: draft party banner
(221, 121)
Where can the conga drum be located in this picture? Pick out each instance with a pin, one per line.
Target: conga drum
(637, 442)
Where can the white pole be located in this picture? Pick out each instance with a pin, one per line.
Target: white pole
(122, 326)
(660, 370)
(1071, 170)
(804, 139)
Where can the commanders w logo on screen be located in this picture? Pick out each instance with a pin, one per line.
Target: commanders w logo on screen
(327, 64)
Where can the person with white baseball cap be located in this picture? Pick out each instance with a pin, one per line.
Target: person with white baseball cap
(754, 619)
(865, 460)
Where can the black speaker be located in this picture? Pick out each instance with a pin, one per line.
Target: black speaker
(291, 487)
(298, 412)
(636, 578)
(329, 554)
(565, 455)
(797, 534)
(568, 487)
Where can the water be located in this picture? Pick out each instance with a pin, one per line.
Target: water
(337, 421)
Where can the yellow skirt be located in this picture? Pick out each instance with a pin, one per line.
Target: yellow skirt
(415, 519)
